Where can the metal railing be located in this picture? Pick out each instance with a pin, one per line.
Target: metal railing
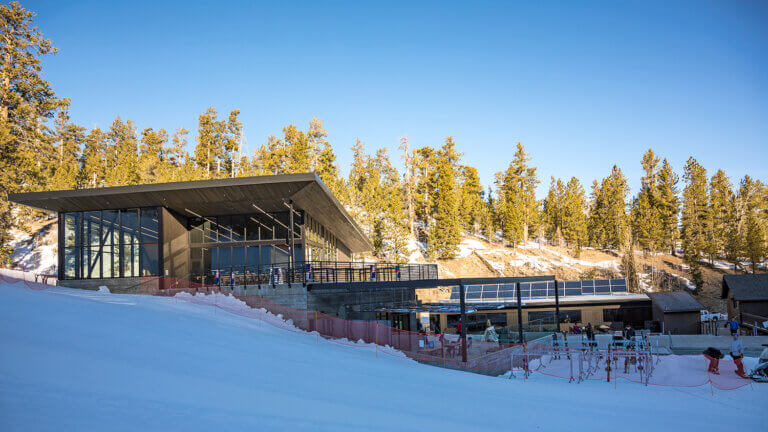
(316, 272)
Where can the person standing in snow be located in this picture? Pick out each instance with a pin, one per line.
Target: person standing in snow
(490, 334)
(734, 325)
(737, 353)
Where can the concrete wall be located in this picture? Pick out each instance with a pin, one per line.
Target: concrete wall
(129, 285)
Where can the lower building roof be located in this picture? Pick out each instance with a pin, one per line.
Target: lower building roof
(677, 301)
(746, 287)
(213, 198)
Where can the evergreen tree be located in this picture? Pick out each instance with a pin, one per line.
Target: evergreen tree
(574, 223)
(646, 208)
(69, 141)
(754, 240)
(329, 172)
(121, 157)
(408, 185)
(152, 159)
(721, 223)
(553, 212)
(669, 207)
(218, 142)
(298, 148)
(93, 168)
(471, 199)
(27, 101)
(517, 191)
(608, 216)
(445, 234)
(424, 163)
(694, 218)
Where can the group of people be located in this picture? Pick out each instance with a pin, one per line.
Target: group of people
(737, 352)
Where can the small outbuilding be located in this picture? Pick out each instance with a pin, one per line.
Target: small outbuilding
(747, 296)
(677, 312)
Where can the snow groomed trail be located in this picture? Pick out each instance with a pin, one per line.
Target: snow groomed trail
(83, 360)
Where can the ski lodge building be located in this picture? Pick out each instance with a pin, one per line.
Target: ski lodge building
(288, 239)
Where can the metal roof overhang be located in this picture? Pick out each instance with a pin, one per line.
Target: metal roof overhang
(213, 198)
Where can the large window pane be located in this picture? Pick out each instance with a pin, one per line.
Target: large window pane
(149, 225)
(92, 225)
(252, 227)
(238, 258)
(225, 259)
(252, 258)
(71, 228)
(266, 256)
(150, 265)
(129, 221)
(70, 262)
(224, 228)
(130, 260)
(238, 228)
(106, 259)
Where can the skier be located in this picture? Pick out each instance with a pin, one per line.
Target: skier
(737, 352)
(734, 325)
(590, 335)
(713, 355)
(629, 334)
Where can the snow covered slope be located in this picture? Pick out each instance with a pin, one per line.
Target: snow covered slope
(88, 361)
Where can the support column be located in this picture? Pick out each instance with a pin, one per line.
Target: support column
(557, 306)
(463, 321)
(519, 312)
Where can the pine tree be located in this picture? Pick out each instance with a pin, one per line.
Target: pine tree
(424, 163)
(329, 172)
(93, 166)
(754, 240)
(298, 148)
(721, 223)
(69, 141)
(517, 191)
(408, 185)
(27, 101)
(218, 142)
(471, 199)
(121, 157)
(445, 234)
(608, 216)
(553, 212)
(152, 157)
(669, 207)
(574, 216)
(646, 211)
(694, 218)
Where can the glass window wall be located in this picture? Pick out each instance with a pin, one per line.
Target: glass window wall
(111, 244)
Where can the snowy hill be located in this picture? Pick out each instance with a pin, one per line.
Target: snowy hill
(82, 360)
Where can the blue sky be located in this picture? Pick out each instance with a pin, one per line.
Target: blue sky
(584, 85)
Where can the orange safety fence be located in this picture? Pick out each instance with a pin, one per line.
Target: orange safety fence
(446, 350)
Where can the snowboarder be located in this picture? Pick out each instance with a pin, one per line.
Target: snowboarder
(734, 325)
(737, 352)
(713, 355)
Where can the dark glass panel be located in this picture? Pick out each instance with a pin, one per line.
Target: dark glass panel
(225, 258)
(130, 259)
(252, 257)
(71, 229)
(92, 227)
(238, 228)
(473, 288)
(70, 262)
(266, 256)
(472, 295)
(207, 263)
(129, 223)
(224, 228)
(106, 258)
(149, 225)
(238, 258)
(209, 230)
(150, 265)
(573, 291)
(251, 228)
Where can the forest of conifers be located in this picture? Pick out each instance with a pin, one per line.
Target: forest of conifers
(434, 199)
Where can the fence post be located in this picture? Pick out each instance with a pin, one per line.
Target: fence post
(442, 347)
(377, 338)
